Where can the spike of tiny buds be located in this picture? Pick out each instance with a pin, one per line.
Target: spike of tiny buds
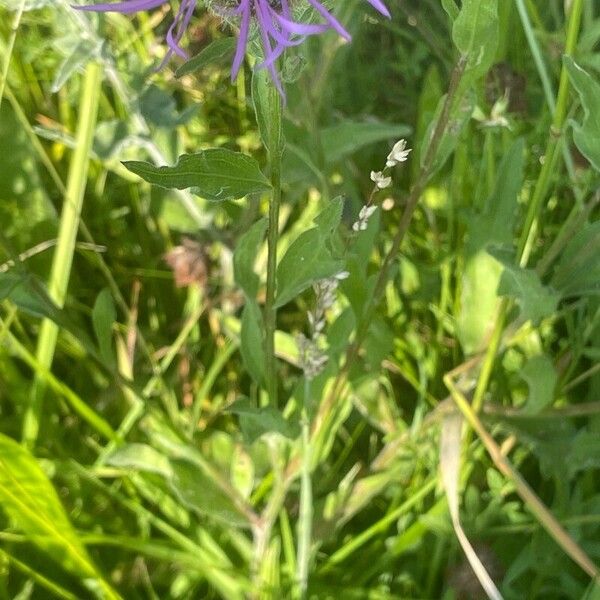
(398, 154)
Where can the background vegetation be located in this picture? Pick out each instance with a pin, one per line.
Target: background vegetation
(139, 457)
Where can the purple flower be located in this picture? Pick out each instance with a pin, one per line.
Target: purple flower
(273, 19)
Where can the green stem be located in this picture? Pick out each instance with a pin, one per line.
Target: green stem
(10, 46)
(65, 247)
(539, 193)
(275, 152)
(554, 139)
(305, 516)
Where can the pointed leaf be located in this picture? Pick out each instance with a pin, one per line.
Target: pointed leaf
(349, 136)
(476, 33)
(218, 52)
(104, 316)
(586, 134)
(216, 174)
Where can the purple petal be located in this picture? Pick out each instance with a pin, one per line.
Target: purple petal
(335, 24)
(265, 23)
(130, 6)
(381, 7)
(179, 25)
(269, 52)
(300, 28)
(240, 50)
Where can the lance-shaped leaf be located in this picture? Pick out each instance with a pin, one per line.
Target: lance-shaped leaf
(475, 34)
(215, 174)
(586, 134)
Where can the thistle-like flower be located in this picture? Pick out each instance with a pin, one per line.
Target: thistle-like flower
(272, 18)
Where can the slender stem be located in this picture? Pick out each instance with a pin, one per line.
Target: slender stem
(65, 247)
(306, 500)
(550, 156)
(409, 211)
(275, 151)
(9, 47)
(541, 189)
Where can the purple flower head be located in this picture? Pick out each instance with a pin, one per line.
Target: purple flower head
(272, 18)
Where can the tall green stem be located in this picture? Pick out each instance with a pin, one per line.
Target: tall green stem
(554, 140)
(540, 191)
(65, 247)
(275, 152)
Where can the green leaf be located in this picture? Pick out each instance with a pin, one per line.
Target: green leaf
(587, 134)
(578, 271)
(160, 108)
(329, 218)
(141, 457)
(347, 137)
(199, 493)
(77, 58)
(481, 276)
(460, 113)
(540, 375)
(244, 258)
(256, 422)
(31, 502)
(29, 294)
(475, 34)
(251, 341)
(216, 174)
(451, 8)
(535, 300)
(104, 316)
(479, 300)
(307, 261)
(263, 100)
(218, 52)
(584, 453)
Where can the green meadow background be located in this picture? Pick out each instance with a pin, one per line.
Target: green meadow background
(139, 454)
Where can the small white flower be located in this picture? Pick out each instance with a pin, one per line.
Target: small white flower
(366, 212)
(398, 154)
(363, 217)
(381, 181)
